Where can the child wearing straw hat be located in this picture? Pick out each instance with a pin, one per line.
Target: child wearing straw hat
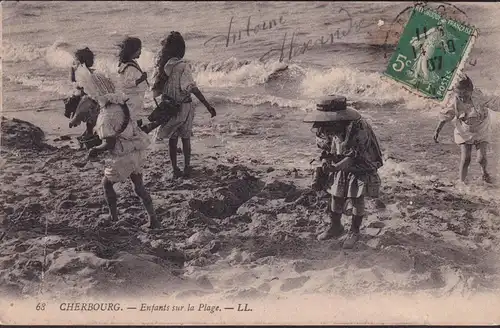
(124, 140)
(472, 127)
(351, 157)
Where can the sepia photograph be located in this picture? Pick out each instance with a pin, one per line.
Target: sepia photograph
(250, 162)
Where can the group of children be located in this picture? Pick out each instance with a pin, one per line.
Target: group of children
(351, 155)
(117, 105)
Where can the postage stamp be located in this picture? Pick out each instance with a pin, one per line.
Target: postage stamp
(432, 50)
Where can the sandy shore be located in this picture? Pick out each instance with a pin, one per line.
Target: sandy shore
(236, 229)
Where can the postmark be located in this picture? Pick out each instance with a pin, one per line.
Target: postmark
(431, 52)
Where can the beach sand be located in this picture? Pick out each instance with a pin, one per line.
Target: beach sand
(240, 227)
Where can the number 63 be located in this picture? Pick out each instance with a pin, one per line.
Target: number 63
(399, 59)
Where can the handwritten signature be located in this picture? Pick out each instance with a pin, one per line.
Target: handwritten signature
(296, 49)
(266, 25)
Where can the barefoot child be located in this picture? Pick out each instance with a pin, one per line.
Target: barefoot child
(178, 85)
(126, 143)
(351, 157)
(472, 128)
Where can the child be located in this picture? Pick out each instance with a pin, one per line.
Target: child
(133, 79)
(123, 139)
(178, 84)
(472, 128)
(351, 157)
(84, 59)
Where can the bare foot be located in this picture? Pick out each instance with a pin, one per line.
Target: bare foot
(177, 173)
(187, 171)
(154, 225)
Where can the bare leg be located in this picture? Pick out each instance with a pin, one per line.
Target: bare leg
(186, 149)
(172, 149)
(111, 198)
(141, 191)
(482, 159)
(465, 160)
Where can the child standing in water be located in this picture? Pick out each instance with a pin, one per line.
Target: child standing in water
(351, 157)
(176, 82)
(133, 79)
(472, 128)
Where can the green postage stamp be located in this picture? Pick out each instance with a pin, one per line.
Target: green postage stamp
(432, 50)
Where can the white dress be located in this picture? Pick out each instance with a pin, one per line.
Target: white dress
(131, 145)
(179, 85)
(135, 93)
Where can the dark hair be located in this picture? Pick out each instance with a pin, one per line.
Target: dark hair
(465, 84)
(85, 56)
(172, 46)
(128, 47)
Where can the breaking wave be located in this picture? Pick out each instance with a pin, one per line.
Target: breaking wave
(256, 82)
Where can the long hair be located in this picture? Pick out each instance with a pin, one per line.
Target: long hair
(172, 46)
(128, 47)
(85, 56)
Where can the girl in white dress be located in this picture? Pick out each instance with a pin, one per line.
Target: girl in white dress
(133, 81)
(472, 124)
(123, 141)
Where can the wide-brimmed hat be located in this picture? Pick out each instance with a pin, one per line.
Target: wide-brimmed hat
(332, 109)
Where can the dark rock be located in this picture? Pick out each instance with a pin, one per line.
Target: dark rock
(204, 282)
(19, 134)
(214, 246)
(293, 283)
(379, 204)
(278, 189)
(301, 222)
(66, 204)
(170, 254)
(240, 218)
(376, 224)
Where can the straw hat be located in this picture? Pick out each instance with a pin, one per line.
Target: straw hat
(332, 108)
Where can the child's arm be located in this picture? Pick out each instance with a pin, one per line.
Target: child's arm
(445, 118)
(439, 127)
(195, 91)
(107, 144)
(343, 164)
(187, 83)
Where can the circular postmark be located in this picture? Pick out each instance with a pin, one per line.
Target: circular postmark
(396, 27)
